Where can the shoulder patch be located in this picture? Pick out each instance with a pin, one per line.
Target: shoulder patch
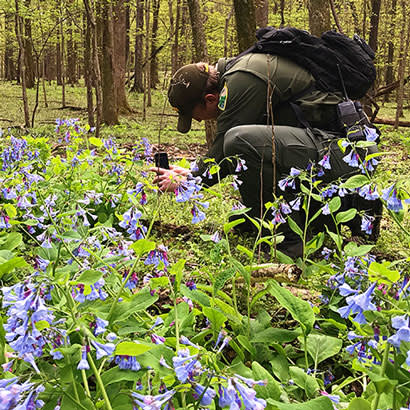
(223, 97)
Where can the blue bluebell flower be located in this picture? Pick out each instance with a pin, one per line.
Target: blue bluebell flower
(127, 363)
(295, 204)
(325, 162)
(367, 224)
(326, 209)
(368, 192)
(249, 399)
(401, 324)
(148, 402)
(206, 394)
(277, 217)
(103, 349)
(240, 165)
(370, 133)
(185, 365)
(83, 363)
(229, 397)
(390, 196)
(352, 158)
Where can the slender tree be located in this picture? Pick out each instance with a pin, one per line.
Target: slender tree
(245, 23)
(319, 16)
(139, 56)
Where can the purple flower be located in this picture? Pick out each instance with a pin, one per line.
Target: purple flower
(401, 324)
(370, 133)
(325, 209)
(101, 325)
(216, 237)
(229, 397)
(184, 365)
(157, 256)
(352, 159)
(127, 363)
(207, 394)
(277, 217)
(248, 395)
(368, 192)
(325, 162)
(367, 224)
(197, 214)
(357, 304)
(240, 166)
(390, 196)
(295, 204)
(148, 402)
(103, 349)
(158, 340)
(83, 364)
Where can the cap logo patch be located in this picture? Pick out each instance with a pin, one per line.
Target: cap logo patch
(223, 97)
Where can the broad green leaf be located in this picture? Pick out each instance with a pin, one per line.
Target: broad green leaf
(132, 348)
(71, 235)
(142, 246)
(11, 241)
(160, 282)
(321, 403)
(276, 335)
(308, 383)
(216, 317)
(364, 144)
(359, 404)
(355, 181)
(351, 249)
(14, 263)
(244, 250)
(316, 242)
(10, 210)
(295, 227)
(346, 216)
(242, 270)
(272, 389)
(223, 277)
(337, 239)
(380, 273)
(41, 325)
(335, 204)
(116, 374)
(382, 384)
(280, 367)
(196, 296)
(229, 225)
(89, 277)
(244, 341)
(96, 142)
(321, 347)
(300, 310)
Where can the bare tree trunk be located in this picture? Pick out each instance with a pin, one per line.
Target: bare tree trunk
(355, 17)
(58, 58)
(226, 31)
(319, 16)
(120, 55)
(374, 23)
(389, 78)
(245, 23)
(109, 108)
(96, 62)
(71, 53)
(43, 80)
(19, 31)
(198, 33)
(28, 50)
(88, 77)
(9, 66)
(404, 50)
(154, 35)
(261, 12)
(138, 63)
(62, 47)
(147, 81)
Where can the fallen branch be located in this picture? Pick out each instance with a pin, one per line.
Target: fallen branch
(388, 121)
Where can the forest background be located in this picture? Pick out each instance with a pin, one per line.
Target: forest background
(103, 60)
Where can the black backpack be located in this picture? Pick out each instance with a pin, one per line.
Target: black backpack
(337, 62)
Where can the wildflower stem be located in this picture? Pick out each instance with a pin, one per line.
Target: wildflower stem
(305, 349)
(382, 371)
(99, 381)
(85, 381)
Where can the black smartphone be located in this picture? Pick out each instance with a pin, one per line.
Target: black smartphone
(161, 160)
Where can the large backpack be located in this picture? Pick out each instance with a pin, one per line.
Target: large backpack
(337, 62)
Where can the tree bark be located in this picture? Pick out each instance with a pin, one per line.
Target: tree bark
(89, 7)
(19, 35)
(139, 59)
(374, 24)
(62, 49)
(404, 50)
(389, 77)
(198, 33)
(261, 12)
(245, 23)
(71, 52)
(109, 107)
(319, 16)
(120, 55)
(28, 50)
(154, 35)
(58, 58)
(9, 64)
(88, 74)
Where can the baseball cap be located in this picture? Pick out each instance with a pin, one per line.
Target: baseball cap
(185, 91)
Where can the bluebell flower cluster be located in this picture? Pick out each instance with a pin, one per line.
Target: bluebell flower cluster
(19, 396)
(131, 223)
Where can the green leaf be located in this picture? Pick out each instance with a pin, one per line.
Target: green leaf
(142, 246)
(380, 273)
(242, 270)
(321, 403)
(10, 210)
(244, 341)
(11, 241)
(359, 404)
(295, 227)
(229, 225)
(196, 296)
(177, 270)
(116, 374)
(41, 325)
(304, 381)
(315, 243)
(300, 310)
(276, 335)
(223, 277)
(244, 250)
(346, 216)
(16, 262)
(335, 204)
(272, 389)
(321, 347)
(382, 384)
(216, 317)
(89, 277)
(351, 249)
(364, 144)
(132, 348)
(355, 181)
(71, 235)
(337, 239)
(96, 142)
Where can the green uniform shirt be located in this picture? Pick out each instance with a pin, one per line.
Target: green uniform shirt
(243, 99)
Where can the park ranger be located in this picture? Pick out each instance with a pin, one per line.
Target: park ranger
(246, 98)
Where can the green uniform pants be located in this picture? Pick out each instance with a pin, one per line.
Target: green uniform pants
(295, 147)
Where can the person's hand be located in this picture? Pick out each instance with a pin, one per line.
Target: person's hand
(169, 179)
